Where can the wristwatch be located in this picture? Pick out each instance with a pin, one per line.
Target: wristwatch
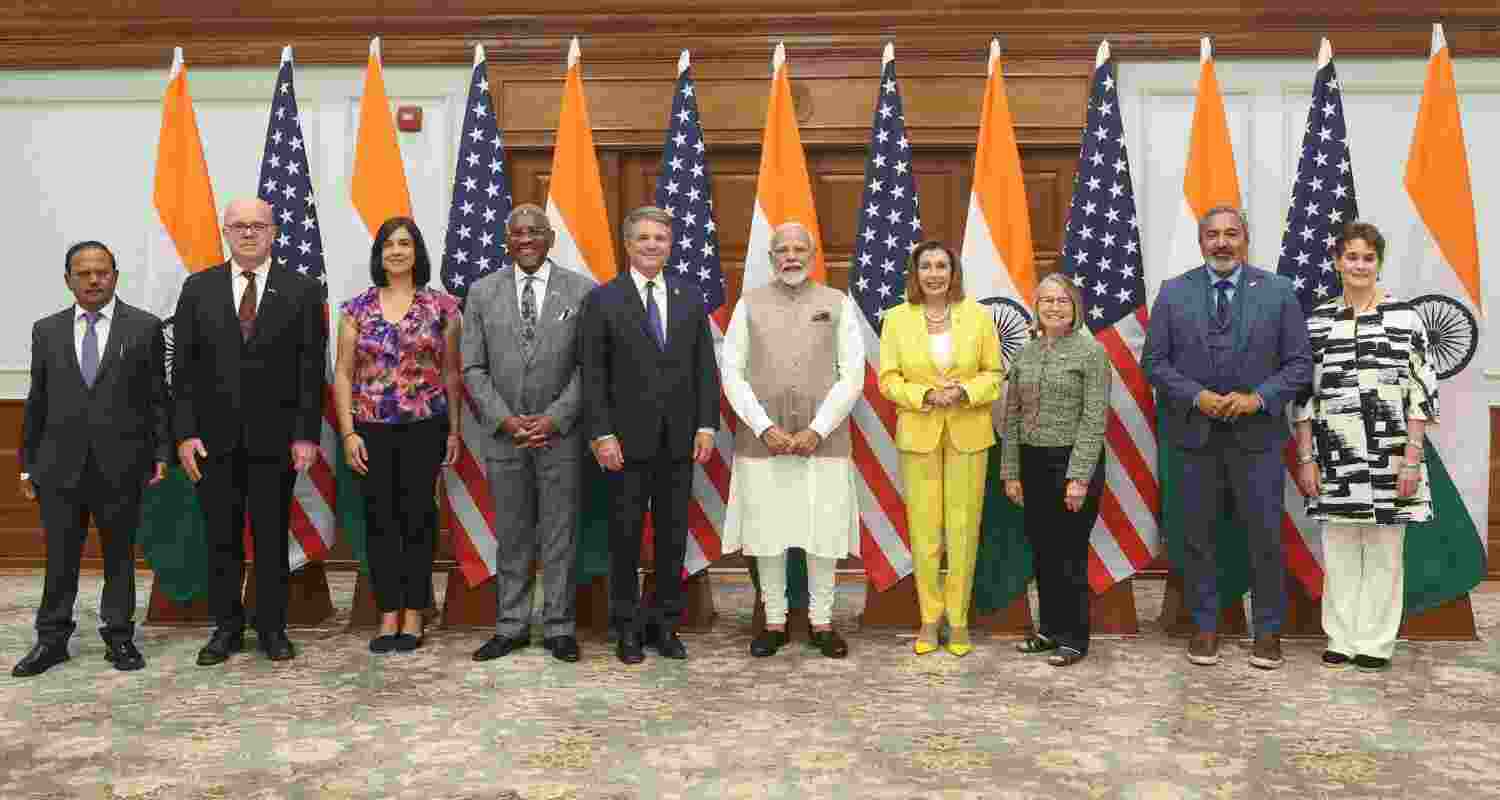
(26, 476)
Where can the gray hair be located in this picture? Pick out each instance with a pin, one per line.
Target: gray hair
(636, 216)
(528, 208)
(785, 228)
(1071, 289)
(1216, 211)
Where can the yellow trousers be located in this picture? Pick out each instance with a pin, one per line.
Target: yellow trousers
(944, 500)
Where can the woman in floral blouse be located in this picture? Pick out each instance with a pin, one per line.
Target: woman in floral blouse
(1359, 440)
(399, 391)
(1052, 461)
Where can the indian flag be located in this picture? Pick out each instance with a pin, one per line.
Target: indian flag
(186, 240)
(783, 189)
(1440, 275)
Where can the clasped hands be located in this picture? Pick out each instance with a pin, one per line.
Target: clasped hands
(529, 431)
(1227, 406)
(946, 395)
(781, 443)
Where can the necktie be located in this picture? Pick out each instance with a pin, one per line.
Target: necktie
(88, 362)
(247, 307)
(528, 312)
(653, 316)
(1221, 313)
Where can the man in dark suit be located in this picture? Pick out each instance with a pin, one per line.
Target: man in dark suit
(95, 421)
(651, 405)
(520, 352)
(1226, 350)
(249, 349)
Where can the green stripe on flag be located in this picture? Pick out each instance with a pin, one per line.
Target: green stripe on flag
(1444, 557)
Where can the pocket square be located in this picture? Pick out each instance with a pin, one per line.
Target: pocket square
(567, 312)
(823, 316)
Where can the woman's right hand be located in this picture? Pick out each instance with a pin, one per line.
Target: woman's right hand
(354, 450)
(1308, 482)
(1013, 491)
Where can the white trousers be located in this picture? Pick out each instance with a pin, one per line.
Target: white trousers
(1362, 588)
(819, 588)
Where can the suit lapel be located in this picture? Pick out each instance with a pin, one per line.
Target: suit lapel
(510, 314)
(1202, 306)
(1246, 301)
(63, 336)
(112, 344)
(635, 307)
(273, 306)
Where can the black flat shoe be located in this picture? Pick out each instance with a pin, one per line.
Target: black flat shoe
(1371, 664)
(41, 658)
(277, 647)
(1065, 657)
(500, 646)
(220, 645)
(767, 643)
(563, 648)
(830, 643)
(406, 642)
(669, 646)
(124, 655)
(629, 649)
(1035, 644)
(384, 643)
(1333, 659)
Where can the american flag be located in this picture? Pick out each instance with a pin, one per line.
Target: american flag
(1322, 201)
(684, 189)
(889, 226)
(1102, 255)
(474, 248)
(286, 183)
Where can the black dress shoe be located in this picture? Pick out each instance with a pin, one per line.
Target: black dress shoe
(498, 646)
(629, 648)
(767, 643)
(406, 642)
(830, 643)
(1371, 664)
(562, 648)
(123, 655)
(669, 646)
(1333, 659)
(277, 647)
(41, 658)
(384, 643)
(220, 645)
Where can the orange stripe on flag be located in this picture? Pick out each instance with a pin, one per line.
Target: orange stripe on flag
(1210, 179)
(575, 188)
(783, 189)
(999, 185)
(183, 194)
(1437, 173)
(378, 186)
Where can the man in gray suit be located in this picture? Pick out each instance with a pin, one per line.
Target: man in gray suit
(521, 367)
(1226, 350)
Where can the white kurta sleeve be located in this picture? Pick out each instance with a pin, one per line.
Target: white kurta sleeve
(845, 392)
(732, 373)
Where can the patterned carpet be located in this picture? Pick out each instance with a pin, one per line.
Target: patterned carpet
(1134, 720)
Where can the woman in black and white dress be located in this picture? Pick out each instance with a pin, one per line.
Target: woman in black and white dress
(1359, 439)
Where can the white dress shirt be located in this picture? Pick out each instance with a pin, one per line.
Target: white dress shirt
(238, 283)
(101, 329)
(658, 294)
(538, 285)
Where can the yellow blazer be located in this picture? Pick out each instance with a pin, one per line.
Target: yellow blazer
(907, 371)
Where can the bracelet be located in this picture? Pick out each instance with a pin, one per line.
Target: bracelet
(1417, 467)
(1306, 458)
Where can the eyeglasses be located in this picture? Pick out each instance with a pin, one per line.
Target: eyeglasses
(242, 228)
(1054, 301)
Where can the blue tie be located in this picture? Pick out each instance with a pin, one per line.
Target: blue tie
(88, 361)
(1221, 314)
(653, 317)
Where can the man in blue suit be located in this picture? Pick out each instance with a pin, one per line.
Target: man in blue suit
(1226, 350)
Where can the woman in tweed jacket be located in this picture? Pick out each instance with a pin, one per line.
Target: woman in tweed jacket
(1359, 440)
(1052, 462)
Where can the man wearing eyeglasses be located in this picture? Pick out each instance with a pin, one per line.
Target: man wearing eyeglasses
(249, 347)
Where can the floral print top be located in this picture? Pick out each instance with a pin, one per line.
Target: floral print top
(398, 369)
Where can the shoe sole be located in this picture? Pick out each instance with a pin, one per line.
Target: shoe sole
(1204, 661)
(1266, 663)
(1337, 667)
(1373, 669)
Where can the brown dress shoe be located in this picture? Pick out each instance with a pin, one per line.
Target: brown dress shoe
(1203, 649)
(1266, 654)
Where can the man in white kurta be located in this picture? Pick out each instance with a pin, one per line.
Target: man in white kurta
(792, 369)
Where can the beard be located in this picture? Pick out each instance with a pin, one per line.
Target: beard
(792, 277)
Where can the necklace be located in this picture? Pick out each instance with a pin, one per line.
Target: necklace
(939, 319)
(1364, 308)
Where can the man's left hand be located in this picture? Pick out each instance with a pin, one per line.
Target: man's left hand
(158, 475)
(703, 446)
(537, 430)
(303, 455)
(1241, 404)
(805, 441)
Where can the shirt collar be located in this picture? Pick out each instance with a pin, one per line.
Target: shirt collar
(261, 271)
(640, 280)
(1233, 277)
(107, 311)
(541, 275)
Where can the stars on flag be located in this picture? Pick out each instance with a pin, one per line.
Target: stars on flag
(475, 244)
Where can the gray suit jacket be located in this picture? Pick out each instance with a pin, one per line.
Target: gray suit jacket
(1270, 348)
(501, 378)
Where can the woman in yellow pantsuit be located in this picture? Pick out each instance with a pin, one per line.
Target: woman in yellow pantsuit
(940, 364)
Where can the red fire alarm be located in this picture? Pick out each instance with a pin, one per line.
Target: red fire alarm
(409, 119)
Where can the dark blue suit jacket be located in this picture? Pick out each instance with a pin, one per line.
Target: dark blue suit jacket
(1270, 350)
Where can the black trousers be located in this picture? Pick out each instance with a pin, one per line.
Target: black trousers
(400, 492)
(664, 486)
(235, 481)
(65, 516)
(1059, 543)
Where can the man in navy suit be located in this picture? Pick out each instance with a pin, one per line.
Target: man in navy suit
(651, 406)
(1226, 350)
